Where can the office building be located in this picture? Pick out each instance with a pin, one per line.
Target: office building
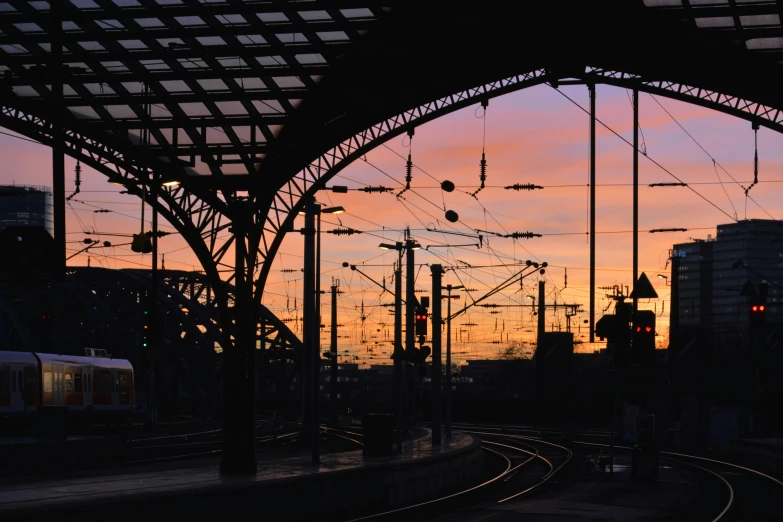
(713, 279)
(25, 206)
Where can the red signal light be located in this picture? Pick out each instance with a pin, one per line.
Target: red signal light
(761, 308)
(648, 329)
(754, 308)
(638, 328)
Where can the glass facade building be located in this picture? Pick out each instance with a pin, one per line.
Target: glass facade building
(713, 274)
(25, 206)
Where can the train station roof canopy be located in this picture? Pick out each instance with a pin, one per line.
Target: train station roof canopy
(237, 93)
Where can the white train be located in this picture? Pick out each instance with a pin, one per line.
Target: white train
(98, 385)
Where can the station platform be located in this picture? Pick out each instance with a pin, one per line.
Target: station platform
(765, 453)
(283, 489)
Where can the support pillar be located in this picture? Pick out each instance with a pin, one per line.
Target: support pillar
(58, 136)
(310, 332)
(437, 276)
(239, 421)
(592, 212)
(333, 357)
(635, 194)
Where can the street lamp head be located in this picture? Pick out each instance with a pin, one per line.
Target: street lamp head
(661, 276)
(332, 210)
(413, 245)
(387, 246)
(531, 297)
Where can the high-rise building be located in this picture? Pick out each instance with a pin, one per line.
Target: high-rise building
(25, 206)
(716, 277)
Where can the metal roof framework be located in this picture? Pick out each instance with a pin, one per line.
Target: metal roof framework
(254, 104)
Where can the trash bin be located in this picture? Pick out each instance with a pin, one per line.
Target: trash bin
(378, 433)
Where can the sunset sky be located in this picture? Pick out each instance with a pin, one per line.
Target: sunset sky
(533, 136)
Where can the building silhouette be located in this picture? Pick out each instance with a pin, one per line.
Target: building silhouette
(714, 279)
(25, 206)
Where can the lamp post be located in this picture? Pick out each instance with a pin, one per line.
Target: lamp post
(398, 354)
(314, 210)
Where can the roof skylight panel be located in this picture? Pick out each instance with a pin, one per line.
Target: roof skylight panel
(332, 36)
(14, 49)
(92, 46)
(209, 41)
(362, 12)
(760, 20)
(149, 22)
(314, 16)
(231, 108)
(213, 84)
(132, 44)
(715, 22)
(291, 38)
(29, 27)
(310, 59)
(251, 39)
(765, 43)
(273, 18)
(84, 4)
(288, 82)
(190, 21)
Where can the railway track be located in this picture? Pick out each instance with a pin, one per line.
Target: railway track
(521, 466)
(727, 491)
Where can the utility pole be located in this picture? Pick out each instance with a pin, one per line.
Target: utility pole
(437, 275)
(410, 322)
(541, 312)
(635, 194)
(310, 426)
(449, 288)
(333, 355)
(592, 212)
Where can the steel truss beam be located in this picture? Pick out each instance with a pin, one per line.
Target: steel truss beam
(290, 199)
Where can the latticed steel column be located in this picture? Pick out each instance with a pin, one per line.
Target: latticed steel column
(239, 414)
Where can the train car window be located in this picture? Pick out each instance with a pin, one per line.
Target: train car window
(21, 382)
(116, 383)
(105, 384)
(13, 381)
(88, 382)
(124, 383)
(47, 384)
(77, 382)
(30, 384)
(68, 383)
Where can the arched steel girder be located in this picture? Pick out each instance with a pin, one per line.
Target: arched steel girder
(291, 198)
(203, 217)
(199, 216)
